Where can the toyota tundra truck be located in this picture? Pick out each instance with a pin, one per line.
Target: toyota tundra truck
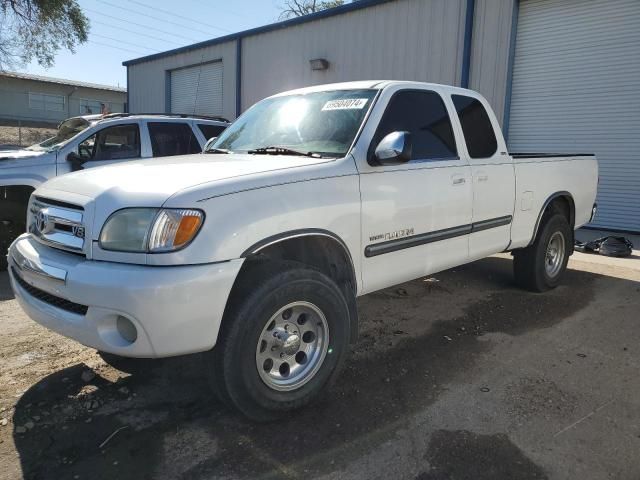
(256, 251)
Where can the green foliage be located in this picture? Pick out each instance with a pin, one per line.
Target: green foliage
(37, 29)
(298, 8)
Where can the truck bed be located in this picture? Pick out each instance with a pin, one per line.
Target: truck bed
(549, 155)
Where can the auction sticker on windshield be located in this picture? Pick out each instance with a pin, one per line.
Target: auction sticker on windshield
(346, 104)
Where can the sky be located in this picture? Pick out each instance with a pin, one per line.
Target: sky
(122, 30)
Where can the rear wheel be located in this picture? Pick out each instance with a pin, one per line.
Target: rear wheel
(283, 339)
(540, 266)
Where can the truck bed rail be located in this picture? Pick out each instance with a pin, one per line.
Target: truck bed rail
(548, 155)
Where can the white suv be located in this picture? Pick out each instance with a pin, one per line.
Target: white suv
(91, 141)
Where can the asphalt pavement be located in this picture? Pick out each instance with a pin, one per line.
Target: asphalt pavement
(456, 376)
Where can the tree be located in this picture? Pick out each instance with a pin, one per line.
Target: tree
(298, 8)
(37, 29)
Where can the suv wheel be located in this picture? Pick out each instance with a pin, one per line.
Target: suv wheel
(9, 231)
(282, 340)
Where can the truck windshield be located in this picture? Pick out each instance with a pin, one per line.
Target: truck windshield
(322, 123)
(66, 131)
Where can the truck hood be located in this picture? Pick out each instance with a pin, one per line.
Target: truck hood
(15, 154)
(151, 182)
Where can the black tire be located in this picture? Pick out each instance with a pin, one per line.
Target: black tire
(4, 246)
(260, 294)
(9, 231)
(530, 264)
(134, 366)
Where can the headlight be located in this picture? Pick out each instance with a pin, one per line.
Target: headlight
(173, 229)
(150, 229)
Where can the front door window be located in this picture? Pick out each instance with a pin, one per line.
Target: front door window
(112, 143)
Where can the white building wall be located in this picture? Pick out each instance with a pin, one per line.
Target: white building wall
(403, 40)
(148, 79)
(493, 21)
(15, 105)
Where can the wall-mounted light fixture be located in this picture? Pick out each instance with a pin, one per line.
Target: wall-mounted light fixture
(319, 64)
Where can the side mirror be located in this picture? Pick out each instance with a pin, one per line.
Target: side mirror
(76, 161)
(210, 142)
(394, 149)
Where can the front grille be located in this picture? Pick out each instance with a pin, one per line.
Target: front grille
(57, 224)
(59, 203)
(48, 298)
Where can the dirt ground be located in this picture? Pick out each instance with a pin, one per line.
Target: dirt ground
(9, 135)
(458, 376)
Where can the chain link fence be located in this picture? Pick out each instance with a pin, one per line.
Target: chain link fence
(19, 133)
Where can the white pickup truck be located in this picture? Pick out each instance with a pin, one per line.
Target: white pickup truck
(92, 141)
(256, 252)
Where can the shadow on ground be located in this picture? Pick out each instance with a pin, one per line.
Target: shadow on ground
(5, 288)
(167, 424)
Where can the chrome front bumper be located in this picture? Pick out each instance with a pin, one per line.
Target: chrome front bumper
(174, 310)
(29, 262)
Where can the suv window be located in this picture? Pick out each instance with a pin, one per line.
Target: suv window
(172, 138)
(476, 126)
(112, 143)
(210, 131)
(424, 115)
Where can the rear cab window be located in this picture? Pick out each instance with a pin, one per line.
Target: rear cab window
(423, 114)
(172, 138)
(479, 135)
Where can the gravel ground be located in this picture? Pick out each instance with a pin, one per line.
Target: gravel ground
(30, 135)
(459, 376)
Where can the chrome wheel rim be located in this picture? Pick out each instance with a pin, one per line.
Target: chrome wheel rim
(292, 346)
(554, 255)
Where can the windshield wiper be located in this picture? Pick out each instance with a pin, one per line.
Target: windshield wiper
(217, 150)
(275, 150)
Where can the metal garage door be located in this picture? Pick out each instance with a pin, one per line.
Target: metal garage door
(576, 88)
(197, 90)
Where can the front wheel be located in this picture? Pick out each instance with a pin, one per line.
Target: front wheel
(282, 340)
(540, 266)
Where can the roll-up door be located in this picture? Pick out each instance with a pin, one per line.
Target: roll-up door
(576, 88)
(197, 89)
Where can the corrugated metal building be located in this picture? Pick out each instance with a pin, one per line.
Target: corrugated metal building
(562, 75)
(34, 98)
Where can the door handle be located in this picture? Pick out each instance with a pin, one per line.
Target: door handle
(481, 176)
(457, 179)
